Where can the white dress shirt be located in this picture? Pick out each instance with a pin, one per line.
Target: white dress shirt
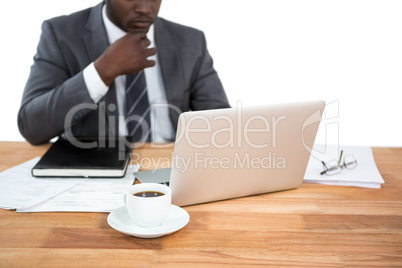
(162, 129)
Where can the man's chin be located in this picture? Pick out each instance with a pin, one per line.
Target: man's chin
(138, 30)
(138, 27)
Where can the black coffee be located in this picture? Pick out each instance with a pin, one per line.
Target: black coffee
(148, 194)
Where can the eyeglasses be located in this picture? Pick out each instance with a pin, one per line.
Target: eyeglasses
(333, 167)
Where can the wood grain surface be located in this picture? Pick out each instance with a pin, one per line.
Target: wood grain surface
(314, 225)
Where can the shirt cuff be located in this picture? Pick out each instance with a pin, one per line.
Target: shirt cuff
(95, 86)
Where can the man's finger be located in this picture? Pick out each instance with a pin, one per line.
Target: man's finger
(150, 63)
(146, 42)
(150, 52)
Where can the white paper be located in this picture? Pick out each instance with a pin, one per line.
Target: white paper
(365, 174)
(348, 183)
(18, 189)
(91, 195)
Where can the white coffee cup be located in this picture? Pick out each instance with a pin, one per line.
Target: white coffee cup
(148, 211)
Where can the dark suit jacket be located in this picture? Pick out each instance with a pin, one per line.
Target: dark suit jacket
(68, 44)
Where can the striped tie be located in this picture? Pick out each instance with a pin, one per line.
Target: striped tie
(137, 108)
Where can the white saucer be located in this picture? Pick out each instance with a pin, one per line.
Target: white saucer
(120, 220)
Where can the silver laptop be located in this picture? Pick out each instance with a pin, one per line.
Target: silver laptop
(242, 151)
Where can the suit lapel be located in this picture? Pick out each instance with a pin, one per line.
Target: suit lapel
(168, 57)
(96, 42)
(96, 38)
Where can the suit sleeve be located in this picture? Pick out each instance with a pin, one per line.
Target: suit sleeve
(51, 91)
(207, 90)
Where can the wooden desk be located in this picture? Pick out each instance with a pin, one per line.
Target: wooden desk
(315, 225)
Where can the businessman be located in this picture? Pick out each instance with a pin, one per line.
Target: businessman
(117, 69)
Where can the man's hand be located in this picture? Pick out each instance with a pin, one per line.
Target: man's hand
(125, 56)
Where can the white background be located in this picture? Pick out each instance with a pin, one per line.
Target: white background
(348, 53)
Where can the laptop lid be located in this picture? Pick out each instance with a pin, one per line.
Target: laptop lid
(235, 152)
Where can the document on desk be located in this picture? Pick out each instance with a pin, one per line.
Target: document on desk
(19, 190)
(365, 174)
(91, 195)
